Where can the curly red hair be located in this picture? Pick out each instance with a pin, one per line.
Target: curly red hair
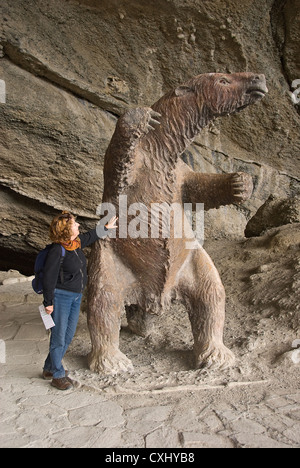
(60, 229)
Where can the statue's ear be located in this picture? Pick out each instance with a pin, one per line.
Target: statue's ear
(183, 90)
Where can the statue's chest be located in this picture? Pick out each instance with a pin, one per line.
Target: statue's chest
(155, 179)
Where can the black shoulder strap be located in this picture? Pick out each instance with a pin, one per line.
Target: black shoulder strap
(63, 253)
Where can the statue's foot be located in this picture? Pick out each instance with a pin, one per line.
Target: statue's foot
(215, 357)
(242, 187)
(110, 363)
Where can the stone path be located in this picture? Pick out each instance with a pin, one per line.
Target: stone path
(33, 414)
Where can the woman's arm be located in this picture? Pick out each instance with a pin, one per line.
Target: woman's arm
(90, 237)
(51, 273)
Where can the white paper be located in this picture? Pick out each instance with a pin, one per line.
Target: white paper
(47, 319)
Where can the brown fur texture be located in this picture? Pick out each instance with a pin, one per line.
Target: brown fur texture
(141, 275)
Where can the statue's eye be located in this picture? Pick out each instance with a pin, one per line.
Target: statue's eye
(224, 81)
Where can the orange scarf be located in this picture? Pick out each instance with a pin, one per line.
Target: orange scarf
(72, 244)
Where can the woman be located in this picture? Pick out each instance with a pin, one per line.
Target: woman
(64, 280)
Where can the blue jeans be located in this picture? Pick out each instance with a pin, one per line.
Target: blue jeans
(65, 316)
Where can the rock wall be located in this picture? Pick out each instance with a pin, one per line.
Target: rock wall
(72, 67)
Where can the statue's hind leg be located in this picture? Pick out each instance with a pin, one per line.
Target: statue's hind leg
(105, 306)
(203, 294)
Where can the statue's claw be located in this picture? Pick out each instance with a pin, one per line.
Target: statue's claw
(215, 357)
(241, 187)
(153, 119)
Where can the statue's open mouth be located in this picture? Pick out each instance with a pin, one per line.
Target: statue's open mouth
(258, 91)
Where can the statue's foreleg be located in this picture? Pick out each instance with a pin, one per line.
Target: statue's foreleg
(215, 190)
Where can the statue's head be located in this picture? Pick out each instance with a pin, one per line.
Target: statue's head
(223, 94)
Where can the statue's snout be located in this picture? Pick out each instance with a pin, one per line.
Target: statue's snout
(258, 86)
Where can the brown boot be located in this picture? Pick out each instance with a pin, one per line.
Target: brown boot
(46, 375)
(62, 384)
